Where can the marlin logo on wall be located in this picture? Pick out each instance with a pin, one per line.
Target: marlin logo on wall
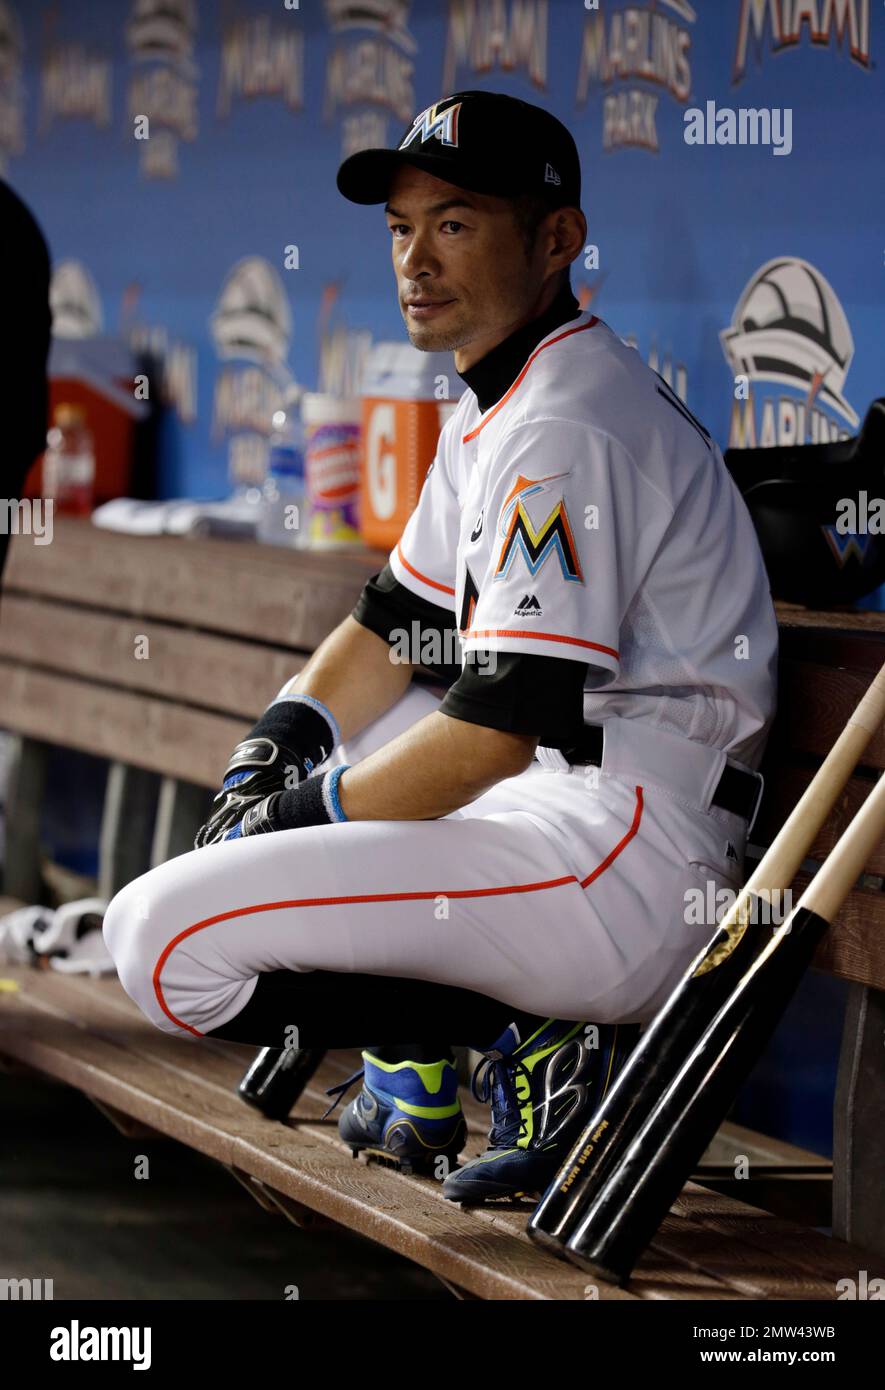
(789, 329)
(74, 301)
(163, 31)
(253, 318)
(251, 328)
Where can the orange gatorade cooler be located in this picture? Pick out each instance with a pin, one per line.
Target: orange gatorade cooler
(407, 398)
(331, 468)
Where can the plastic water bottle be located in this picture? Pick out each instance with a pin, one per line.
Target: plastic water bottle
(69, 462)
(281, 516)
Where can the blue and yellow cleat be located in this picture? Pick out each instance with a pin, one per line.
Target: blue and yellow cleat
(543, 1092)
(407, 1113)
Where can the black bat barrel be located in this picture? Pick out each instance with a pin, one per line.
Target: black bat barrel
(657, 1056)
(621, 1210)
(657, 1059)
(276, 1079)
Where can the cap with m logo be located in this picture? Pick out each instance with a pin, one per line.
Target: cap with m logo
(488, 142)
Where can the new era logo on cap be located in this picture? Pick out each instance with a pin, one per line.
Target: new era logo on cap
(551, 176)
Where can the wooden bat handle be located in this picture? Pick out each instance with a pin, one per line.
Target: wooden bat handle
(780, 864)
(870, 710)
(833, 882)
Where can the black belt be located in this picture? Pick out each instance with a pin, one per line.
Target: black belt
(736, 791)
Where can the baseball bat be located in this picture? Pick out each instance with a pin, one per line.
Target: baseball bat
(276, 1078)
(709, 982)
(658, 1151)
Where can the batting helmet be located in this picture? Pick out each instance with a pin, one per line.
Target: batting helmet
(818, 510)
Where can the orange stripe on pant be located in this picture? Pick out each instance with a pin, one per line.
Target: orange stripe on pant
(350, 899)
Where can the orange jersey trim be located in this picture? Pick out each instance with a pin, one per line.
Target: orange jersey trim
(492, 412)
(418, 575)
(417, 896)
(539, 637)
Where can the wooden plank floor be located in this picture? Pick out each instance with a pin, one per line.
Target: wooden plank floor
(90, 1035)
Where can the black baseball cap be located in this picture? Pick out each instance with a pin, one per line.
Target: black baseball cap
(484, 141)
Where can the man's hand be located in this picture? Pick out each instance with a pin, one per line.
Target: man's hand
(257, 767)
(294, 735)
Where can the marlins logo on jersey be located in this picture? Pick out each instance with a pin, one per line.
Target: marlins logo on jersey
(533, 544)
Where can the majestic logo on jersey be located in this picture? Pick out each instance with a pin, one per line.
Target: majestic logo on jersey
(528, 606)
(477, 530)
(435, 124)
(469, 601)
(536, 546)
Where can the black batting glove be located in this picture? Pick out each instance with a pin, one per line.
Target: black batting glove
(291, 738)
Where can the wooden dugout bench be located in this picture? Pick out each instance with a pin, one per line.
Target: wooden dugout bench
(144, 652)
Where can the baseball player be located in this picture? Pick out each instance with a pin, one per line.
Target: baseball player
(503, 861)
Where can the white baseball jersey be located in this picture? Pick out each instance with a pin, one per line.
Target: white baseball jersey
(588, 515)
(583, 524)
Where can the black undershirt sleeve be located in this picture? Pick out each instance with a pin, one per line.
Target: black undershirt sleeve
(521, 694)
(512, 691)
(385, 605)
